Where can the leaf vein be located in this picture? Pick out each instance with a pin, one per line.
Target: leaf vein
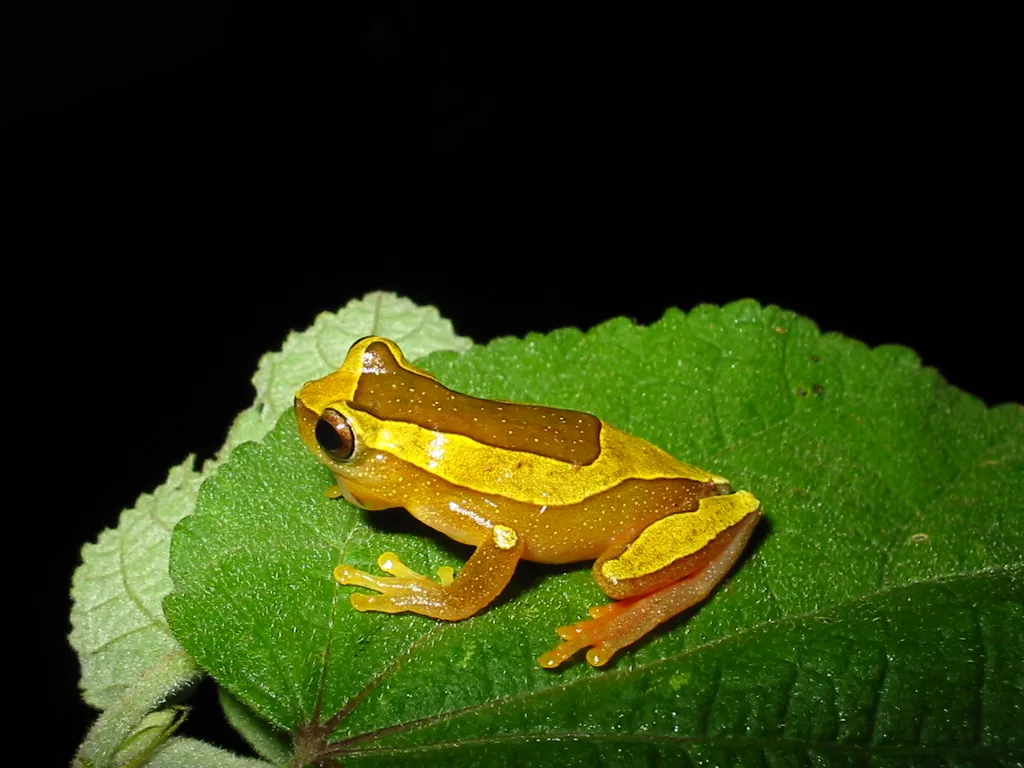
(136, 598)
(115, 638)
(648, 738)
(610, 675)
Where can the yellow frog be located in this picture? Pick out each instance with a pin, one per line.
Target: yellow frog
(520, 482)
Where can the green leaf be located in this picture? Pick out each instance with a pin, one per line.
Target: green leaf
(320, 349)
(269, 743)
(877, 617)
(118, 626)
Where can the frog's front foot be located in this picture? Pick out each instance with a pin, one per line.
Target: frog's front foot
(395, 590)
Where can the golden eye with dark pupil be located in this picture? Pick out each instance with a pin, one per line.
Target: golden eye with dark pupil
(334, 435)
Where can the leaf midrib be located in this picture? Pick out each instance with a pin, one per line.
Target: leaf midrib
(733, 742)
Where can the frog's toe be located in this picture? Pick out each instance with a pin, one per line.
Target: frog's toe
(391, 563)
(377, 603)
(351, 576)
(600, 654)
(552, 658)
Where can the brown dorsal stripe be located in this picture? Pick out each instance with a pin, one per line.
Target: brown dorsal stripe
(390, 392)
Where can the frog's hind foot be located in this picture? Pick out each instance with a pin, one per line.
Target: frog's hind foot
(599, 633)
(614, 626)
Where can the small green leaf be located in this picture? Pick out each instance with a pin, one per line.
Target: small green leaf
(126, 733)
(154, 730)
(320, 349)
(876, 619)
(181, 752)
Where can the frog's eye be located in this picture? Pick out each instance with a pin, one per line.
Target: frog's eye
(334, 434)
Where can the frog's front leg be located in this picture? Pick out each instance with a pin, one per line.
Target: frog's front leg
(482, 579)
(671, 566)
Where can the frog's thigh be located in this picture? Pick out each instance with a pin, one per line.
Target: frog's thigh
(615, 626)
(674, 546)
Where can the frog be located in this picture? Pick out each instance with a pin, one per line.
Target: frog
(519, 481)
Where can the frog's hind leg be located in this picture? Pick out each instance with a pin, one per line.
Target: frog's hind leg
(651, 597)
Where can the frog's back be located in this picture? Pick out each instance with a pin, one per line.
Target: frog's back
(529, 453)
(400, 394)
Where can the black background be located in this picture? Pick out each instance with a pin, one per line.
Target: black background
(191, 183)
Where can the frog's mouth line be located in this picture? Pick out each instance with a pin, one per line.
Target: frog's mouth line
(360, 497)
